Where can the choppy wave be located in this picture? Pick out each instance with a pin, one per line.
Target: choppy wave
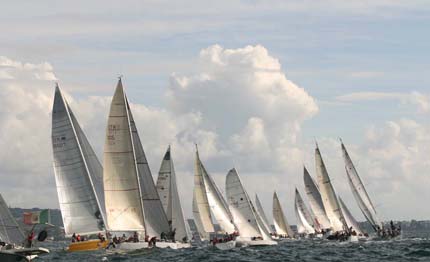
(411, 249)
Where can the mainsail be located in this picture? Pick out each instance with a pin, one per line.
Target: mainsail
(260, 212)
(304, 218)
(132, 201)
(169, 196)
(315, 201)
(350, 220)
(78, 173)
(328, 195)
(360, 193)
(201, 209)
(240, 206)
(281, 224)
(10, 231)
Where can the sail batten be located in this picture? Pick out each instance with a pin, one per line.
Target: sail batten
(78, 173)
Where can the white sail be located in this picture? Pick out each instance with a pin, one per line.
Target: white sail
(10, 231)
(201, 209)
(239, 204)
(124, 207)
(281, 224)
(155, 217)
(328, 195)
(359, 191)
(260, 212)
(350, 220)
(78, 173)
(303, 215)
(217, 204)
(169, 196)
(315, 201)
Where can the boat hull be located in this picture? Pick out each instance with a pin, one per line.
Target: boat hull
(140, 245)
(89, 245)
(21, 254)
(226, 245)
(248, 242)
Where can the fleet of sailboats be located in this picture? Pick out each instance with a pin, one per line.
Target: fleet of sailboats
(121, 199)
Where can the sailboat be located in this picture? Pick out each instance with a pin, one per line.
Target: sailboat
(217, 205)
(328, 195)
(321, 220)
(169, 196)
(201, 208)
(304, 219)
(351, 222)
(78, 176)
(132, 202)
(12, 235)
(282, 227)
(360, 194)
(249, 225)
(262, 214)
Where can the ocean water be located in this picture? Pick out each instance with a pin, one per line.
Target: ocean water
(409, 248)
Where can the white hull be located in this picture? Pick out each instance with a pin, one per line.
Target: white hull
(226, 245)
(242, 242)
(353, 239)
(140, 245)
(21, 254)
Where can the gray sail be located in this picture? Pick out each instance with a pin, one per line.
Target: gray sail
(169, 196)
(315, 201)
(78, 173)
(359, 191)
(10, 231)
(155, 218)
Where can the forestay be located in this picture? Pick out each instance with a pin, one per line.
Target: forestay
(78, 173)
(304, 218)
(350, 220)
(239, 204)
(201, 210)
(328, 195)
(360, 194)
(169, 196)
(315, 201)
(279, 220)
(10, 231)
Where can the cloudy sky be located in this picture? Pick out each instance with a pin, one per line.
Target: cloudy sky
(253, 83)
